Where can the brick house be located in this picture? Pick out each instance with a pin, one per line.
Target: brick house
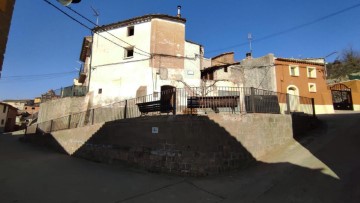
(299, 77)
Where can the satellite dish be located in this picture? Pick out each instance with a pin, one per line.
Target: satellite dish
(68, 2)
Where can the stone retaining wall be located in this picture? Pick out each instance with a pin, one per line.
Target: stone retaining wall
(182, 144)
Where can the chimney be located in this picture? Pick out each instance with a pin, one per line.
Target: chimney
(248, 55)
(179, 11)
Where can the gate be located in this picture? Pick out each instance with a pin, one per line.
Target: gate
(341, 96)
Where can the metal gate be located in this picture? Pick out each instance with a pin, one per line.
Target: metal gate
(341, 96)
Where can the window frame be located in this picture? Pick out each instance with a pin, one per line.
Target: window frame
(310, 75)
(296, 70)
(126, 53)
(130, 31)
(312, 90)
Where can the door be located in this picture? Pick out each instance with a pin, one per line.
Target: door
(293, 92)
(341, 96)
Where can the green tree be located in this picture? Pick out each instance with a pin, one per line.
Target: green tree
(346, 64)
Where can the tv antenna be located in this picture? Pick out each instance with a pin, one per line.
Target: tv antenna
(250, 39)
(96, 14)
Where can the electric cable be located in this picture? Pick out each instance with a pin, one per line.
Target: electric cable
(87, 27)
(87, 19)
(290, 29)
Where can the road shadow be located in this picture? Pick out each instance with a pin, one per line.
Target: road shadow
(335, 141)
(199, 147)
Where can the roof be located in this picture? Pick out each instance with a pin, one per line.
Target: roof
(307, 61)
(223, 54)
(5, 104)
(218, 67)
(137, 20)
(193, 42)
(16, 100)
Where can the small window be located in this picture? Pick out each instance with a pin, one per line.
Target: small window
(130, 31)
(129, 52)
(32, 108)
(100, 91)
(294, 70)
(311, 72)
(2, 121)
(4, 110)
(312, 87)
(226, 69)
(25, 108)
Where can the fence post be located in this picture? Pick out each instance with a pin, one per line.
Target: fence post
(69, 121)
(51, 125)
(174, 101)
(288, 110)
(125, 111)
(313, 106)
(252, 99)
(93, 117)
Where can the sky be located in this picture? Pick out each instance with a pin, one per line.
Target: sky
(44, 45)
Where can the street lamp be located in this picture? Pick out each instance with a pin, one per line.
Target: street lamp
(68, 2)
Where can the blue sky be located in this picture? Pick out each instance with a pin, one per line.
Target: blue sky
(44, 41)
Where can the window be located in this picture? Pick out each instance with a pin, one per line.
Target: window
(100, 90)
(129, 52)
(25, 108)
(130, 31)
(4, 110)
(311, 72)
(2, 121)
(294, 70)
(312, 87)
(225, 69)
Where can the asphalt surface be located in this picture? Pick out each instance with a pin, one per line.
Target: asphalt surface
(322, 166)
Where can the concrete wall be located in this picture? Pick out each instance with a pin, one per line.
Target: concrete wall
(62, 107)
(187, 145)
(259, 72)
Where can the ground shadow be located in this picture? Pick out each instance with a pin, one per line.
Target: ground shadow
(198, 146)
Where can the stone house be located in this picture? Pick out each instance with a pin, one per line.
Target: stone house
(137, 57)
(8, 115)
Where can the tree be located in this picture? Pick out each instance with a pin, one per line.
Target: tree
(346, 64)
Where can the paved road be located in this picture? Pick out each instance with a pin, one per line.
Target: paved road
(322, 167)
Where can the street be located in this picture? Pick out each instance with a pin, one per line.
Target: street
(322, 166)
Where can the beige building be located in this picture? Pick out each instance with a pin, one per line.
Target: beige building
(138, 56)
(7, 117)
(6, 11)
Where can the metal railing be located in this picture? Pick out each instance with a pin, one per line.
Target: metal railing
(234, 100)
(70, 91)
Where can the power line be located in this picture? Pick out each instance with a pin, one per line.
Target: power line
(82, 24)
(87, 19)
(291, 28)
(38, 75)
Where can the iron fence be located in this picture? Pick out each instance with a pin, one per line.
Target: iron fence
(197, 100)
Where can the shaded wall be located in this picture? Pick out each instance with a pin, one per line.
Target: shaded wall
(186, 145)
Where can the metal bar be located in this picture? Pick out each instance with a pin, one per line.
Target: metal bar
(125, 110)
